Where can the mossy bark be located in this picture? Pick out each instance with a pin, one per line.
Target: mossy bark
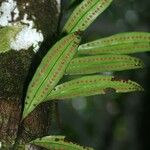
(17, 69)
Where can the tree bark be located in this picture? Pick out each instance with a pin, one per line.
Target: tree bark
(16, 71)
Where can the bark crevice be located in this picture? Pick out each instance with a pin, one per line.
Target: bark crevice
(16, 70)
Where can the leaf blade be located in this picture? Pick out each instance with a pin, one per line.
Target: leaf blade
(102, 63)
(85, 14)
(57, 142)
(92, 85)
(122, 43)
(49, 72)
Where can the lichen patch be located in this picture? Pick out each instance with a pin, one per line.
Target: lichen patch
(58, 5)
(8, 12)
(26, 38)
(29, 35)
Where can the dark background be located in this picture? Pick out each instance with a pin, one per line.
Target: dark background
(120, 121)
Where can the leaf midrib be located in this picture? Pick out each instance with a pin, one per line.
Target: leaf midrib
(48, 75)
(110, 45)
(83, 16)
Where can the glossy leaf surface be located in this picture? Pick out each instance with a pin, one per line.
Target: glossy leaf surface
(50, 71)
(123, 43)
(57, 142)
(85, 14)
(93, 85)
(103, 63)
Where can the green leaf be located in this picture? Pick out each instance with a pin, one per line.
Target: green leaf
(103, 63)
(57, 142)
(93, 85)
(123, 43)
(50, 71)
(6, 35)
(85, 14)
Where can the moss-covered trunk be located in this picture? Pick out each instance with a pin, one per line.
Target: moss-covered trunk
(17, 69)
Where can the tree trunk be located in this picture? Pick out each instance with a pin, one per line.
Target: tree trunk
(17, 68)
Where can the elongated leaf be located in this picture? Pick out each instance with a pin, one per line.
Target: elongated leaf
(50, 71)
(103, 63)
(57, 142)
(93, 85)
(6, 35)
(85, 14)
(123, 43)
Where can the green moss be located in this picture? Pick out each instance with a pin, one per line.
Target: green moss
(6, 34)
